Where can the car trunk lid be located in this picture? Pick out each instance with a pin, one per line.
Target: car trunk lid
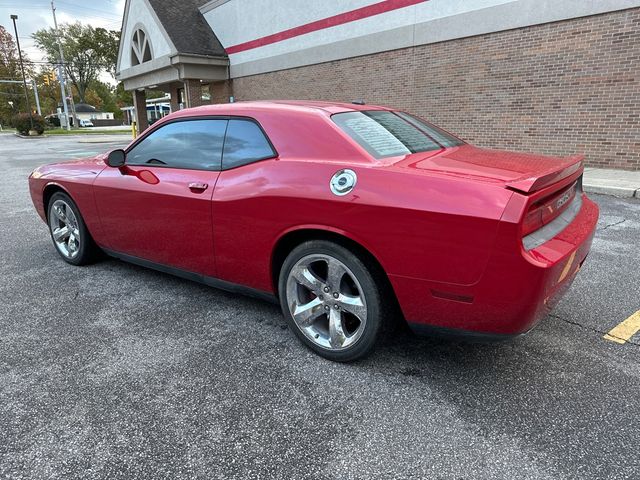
(522, 172)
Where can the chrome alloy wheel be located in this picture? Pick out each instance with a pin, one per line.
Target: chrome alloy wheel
(64, 228)
(326, 302)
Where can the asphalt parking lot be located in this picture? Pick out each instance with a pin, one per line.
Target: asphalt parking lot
(114, 371)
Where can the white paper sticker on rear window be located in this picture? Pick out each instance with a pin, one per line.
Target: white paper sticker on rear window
(376, 137)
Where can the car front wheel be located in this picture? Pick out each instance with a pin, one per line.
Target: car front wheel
(69, 232)
(331, 300)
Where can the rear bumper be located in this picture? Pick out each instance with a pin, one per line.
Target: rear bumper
(517, 289)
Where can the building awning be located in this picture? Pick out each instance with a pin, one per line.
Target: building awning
(177, 68)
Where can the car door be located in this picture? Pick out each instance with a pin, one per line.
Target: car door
(241, 216)
(157, 207)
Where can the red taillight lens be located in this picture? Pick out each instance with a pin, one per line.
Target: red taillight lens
(546, 210)
(532, 220)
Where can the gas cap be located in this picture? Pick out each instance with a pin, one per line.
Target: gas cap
(343, 182)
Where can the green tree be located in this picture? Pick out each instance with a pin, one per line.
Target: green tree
(93, 99)
(88, 51)
(12, 98)
(124, 98)
(108, 40)
(107, 95)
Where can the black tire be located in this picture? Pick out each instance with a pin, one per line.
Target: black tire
(87, 251)
(371, 286)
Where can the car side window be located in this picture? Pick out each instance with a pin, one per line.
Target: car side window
(245, 143)
(189, 144)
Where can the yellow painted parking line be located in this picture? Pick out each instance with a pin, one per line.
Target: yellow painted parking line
(625, 330)
(567, 267)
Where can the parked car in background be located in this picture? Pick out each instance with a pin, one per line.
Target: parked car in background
(351, 216)
(85, 123)
(53, 120)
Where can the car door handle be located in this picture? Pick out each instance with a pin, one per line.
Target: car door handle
(198, 187)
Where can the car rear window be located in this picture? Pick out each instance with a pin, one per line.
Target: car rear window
(389, 134)
(443, 138)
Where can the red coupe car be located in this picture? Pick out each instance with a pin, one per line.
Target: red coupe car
(350, 215)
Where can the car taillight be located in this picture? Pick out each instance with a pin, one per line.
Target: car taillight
(546, 210)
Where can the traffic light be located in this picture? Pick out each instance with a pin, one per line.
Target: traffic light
(49, 78)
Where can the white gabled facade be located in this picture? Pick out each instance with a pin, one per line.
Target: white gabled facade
(140, 15)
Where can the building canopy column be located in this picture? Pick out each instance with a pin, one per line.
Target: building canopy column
(140, 104)
(174, 92)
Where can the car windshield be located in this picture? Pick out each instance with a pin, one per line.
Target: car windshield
(389, 134)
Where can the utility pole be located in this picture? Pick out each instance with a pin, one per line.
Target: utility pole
(35, 92)
(63, 96)
(24, 78)
(61, 74)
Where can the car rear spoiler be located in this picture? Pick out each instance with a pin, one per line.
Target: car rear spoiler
(564, 169)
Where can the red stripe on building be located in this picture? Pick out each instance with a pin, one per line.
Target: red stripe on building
(340, 19)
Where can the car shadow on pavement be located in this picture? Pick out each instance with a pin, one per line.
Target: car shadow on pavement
(553, 395)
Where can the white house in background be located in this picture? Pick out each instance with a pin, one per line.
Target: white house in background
(84, 111)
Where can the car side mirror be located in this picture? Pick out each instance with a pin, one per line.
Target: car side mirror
(116, 158)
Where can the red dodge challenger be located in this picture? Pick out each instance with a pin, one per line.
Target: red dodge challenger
(350, 215)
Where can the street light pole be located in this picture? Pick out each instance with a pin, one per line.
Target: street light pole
(24, 77)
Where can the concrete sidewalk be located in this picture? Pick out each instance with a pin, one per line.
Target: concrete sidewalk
(620, 183)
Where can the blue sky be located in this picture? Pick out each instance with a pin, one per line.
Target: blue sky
(36, 14)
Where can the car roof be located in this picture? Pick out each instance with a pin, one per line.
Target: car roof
(325, 105)
(283, 105)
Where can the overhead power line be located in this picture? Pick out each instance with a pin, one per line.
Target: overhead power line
(45, 62)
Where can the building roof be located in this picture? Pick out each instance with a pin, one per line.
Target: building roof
(187, 28)
(86, 108)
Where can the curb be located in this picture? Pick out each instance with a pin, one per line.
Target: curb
(620, 192)
(86, 137)
(30, 136)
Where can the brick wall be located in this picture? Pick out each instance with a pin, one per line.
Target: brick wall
(560, 88)
(220, 91)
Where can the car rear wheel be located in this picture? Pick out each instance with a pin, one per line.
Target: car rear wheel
(331, 300)
(69, 232)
